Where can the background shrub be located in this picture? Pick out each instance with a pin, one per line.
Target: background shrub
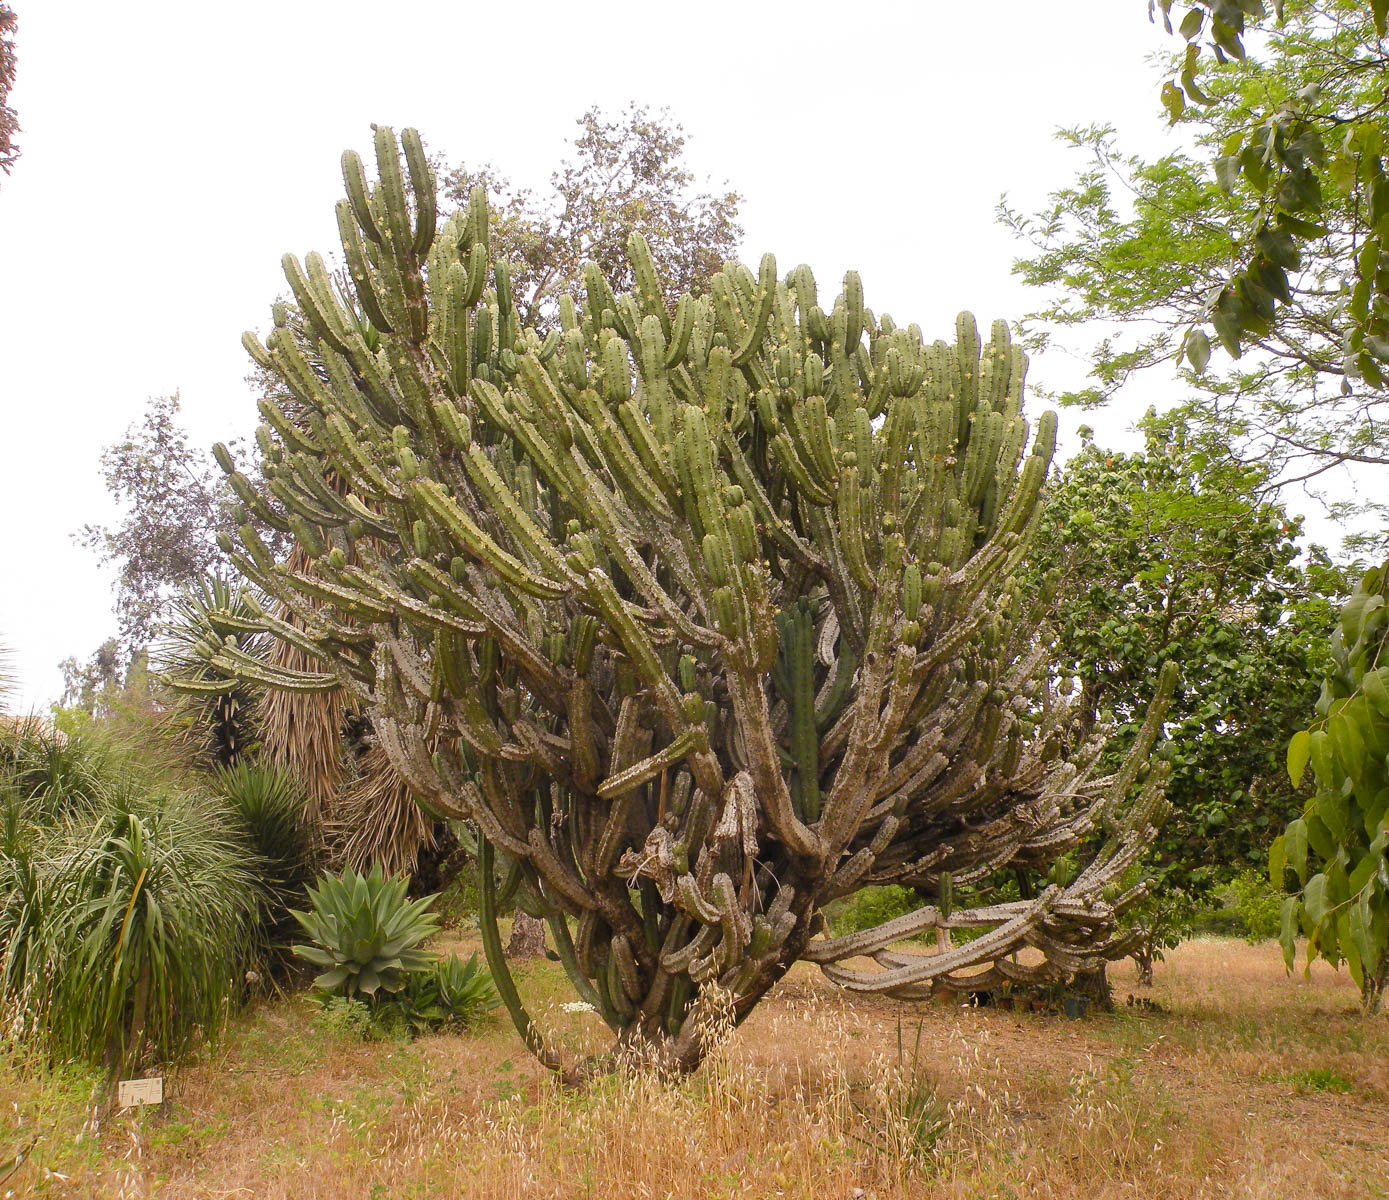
(454, 995)
(1257, 904)
(870, 907)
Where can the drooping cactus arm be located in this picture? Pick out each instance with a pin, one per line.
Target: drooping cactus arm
(497, 964)
(873, 725)
(749, 703)
(1054, 922)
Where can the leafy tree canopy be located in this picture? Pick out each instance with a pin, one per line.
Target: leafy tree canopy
(1262, 239)
(629, 176)
(1172, 553)
(175, 504)
(1338, 848)
(9, 122)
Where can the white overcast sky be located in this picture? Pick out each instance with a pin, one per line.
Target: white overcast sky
(173, 150)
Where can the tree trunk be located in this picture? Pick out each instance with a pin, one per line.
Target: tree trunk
(1094, 986)
(1143, 960)
(527, 937)
(1372, 994)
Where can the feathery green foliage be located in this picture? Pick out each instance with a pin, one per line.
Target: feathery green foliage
(1263, 239)
(1257, 905)
(55, 775)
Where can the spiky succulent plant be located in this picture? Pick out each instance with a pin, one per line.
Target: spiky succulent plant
(704, 615)
(366, 934)
(213, 713)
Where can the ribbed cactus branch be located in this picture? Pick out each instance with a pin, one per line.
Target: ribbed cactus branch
(703, 617)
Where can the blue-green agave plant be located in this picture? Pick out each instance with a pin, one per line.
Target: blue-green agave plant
(365, 932)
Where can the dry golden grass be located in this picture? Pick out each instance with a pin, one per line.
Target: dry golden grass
(1250, 1084)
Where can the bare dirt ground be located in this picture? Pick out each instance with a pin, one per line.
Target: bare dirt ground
(1246, 1082)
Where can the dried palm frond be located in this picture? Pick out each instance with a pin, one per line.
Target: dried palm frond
(375, 819)
(302, 733)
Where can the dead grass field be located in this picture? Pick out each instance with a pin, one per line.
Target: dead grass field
(1250, 1084)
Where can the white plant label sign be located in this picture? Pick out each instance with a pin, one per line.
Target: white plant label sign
(130, 1093)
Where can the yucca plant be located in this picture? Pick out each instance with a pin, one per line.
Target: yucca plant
(213, 714)
(365, 932)
(148, 930)
(268, 805)
(22, 895)
(128, 908)
(303, 732)
(42, 778)
(52, 774)
(376, 819)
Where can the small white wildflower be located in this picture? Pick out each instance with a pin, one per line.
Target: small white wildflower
(577, 1006)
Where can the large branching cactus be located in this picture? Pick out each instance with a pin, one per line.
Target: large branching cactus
(702, 617)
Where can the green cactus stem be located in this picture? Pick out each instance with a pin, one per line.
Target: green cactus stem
(702, 616)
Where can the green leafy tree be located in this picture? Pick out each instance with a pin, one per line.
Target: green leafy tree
(1170, 553)
(1300, 134)
(175, 503)
(1263, 239)
(1256, 904)
(92, 686)
(1338, 849)
(629, 176)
